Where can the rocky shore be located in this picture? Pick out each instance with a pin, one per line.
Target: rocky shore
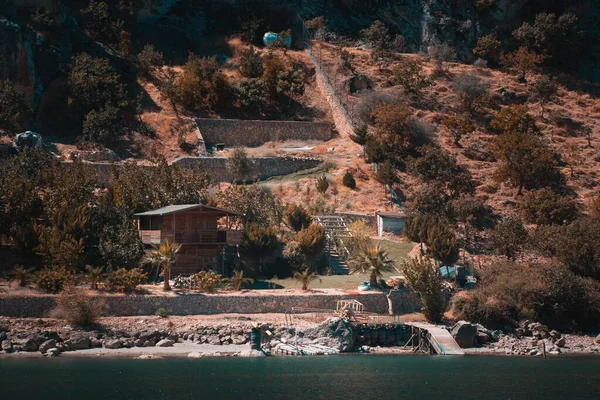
(229, 335)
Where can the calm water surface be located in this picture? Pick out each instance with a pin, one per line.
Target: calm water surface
(333, 377)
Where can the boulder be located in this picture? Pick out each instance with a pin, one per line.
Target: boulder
(597, 340)
(78, 342)
(112, 344)
(464, 333)
(7, 346)
(214, 340)
(54, 351)
(48, 344)
(239, 339)
(335, 332)
(165, 343)
(139, 343)
(28, 139)
(95, 342)
(482, 338)
(560, 342)
(30, 345)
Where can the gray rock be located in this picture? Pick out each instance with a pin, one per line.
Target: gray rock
(560, 342)
(239, 339)
(48, 344)
(54, 351)
(2, 336)
(112, 344)
(30, 345)
(149, 343)
(597, 340)
(138, 343)
(78, 342)
(214, 340)
(128, 342)
(174, 337)
(464, 333)
(7, 346)
(165, 343)
(335, 332)
(482, 338)
(94, 342)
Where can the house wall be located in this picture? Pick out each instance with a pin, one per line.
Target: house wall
(234, 132)
(393, 225)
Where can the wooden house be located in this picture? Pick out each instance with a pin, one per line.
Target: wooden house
(204, 233)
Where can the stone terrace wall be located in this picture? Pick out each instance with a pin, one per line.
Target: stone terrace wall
(216, 167)
(234, 132)
(193, 304)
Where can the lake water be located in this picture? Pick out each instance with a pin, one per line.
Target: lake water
(332, 377)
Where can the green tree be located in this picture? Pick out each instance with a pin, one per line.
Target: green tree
(102, 126)
(238, 163)
(99, 22)
(311, 243)
(202, 84)
(544, 206)
(259, 243)
(459, 126)
(94, 276)
(386, 174)
(360, 135)
(488, 47)
(291, 82)
(523, 61)
(14, 110)
(442, 244)
(543, 90)
(253, 94)
(422, 276)
(254, 203)
(524, 161)
(251, 65)
(370, 259)
(150, 59)
(165, 256)
(296, 217)
(383, 44)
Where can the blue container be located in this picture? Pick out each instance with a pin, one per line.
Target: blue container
(271, 37)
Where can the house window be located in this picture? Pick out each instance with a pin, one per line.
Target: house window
(148, 223)
(207, 225)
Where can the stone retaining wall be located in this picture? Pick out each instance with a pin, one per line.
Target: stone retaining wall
(235, 132)
(216, 167)
(193, 304)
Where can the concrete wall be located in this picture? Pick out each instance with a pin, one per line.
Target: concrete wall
(216, 167)
(192, 304)
(234, 132)
(393, 225)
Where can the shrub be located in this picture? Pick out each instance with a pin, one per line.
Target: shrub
(386, 174)
(509, 237)
(360, 135)
(13, 107)
(54, 279)
(239, 280)
(544, 206)
(125, 281)
(422, 276)
(577, 247)
(202, 84)
(348, 180)
(311, 242)
(305, 278)
(382, 43)
(162, 313)
(322, 184)
(472, 92)
(297, 217)
(459, 127)
(252, 93)
(94, 276)
(543, 90)
(291, 82)
(22, 275)
(523, 61)
(410, 75)
(77, 307)
(441, 54)
(102, 126)
(207, 281)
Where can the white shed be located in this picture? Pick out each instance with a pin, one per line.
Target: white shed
(390, 222)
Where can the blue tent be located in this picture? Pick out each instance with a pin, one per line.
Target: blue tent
(271, 37)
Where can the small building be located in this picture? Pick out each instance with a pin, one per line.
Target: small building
(205, 234)
(392, 222)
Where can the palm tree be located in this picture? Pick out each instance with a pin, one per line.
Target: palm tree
(94, 275)
(22, 275)
(371, 259)
(164, 255)
(239, 280)
(305, 277)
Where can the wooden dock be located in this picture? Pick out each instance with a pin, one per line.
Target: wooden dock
(439, 340)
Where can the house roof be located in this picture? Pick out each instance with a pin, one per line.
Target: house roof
(391, 214)
(168, 210)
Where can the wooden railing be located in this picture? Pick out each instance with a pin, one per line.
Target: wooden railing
(195, 237)
(151, 237)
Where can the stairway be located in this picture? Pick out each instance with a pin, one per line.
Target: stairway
(336, 231)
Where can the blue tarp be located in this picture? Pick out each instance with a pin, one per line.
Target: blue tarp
(271, 37)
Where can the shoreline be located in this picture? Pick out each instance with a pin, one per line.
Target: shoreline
(228, 335)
